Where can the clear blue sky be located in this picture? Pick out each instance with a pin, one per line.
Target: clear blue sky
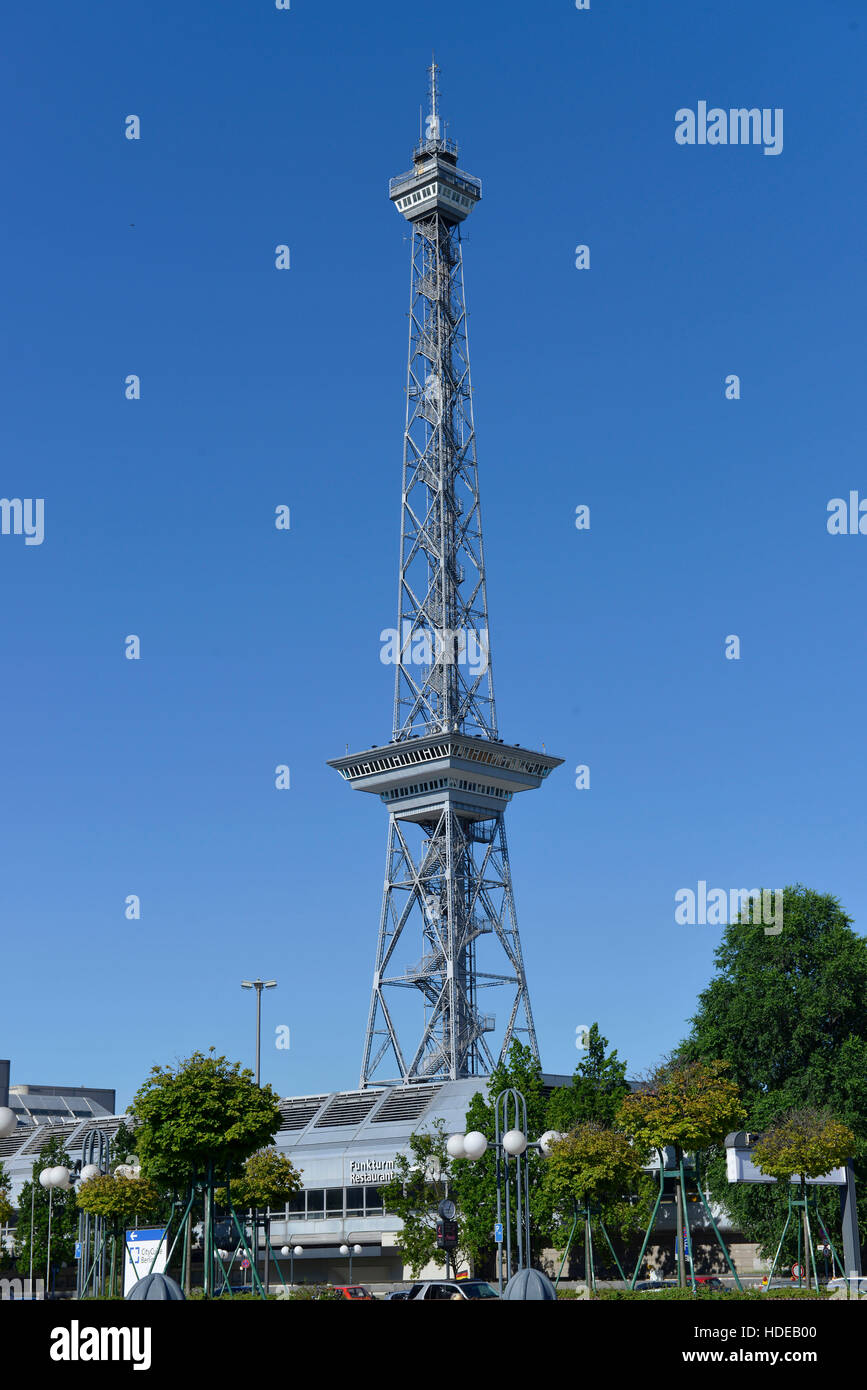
(259, 387)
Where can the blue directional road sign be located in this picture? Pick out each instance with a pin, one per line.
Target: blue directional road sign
(498, 1232)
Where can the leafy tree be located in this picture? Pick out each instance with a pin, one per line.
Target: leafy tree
(789, 1014)
(474, 1185)
(121, 1202)
(123, 1146)
(804, 1144)
(7, 1210)
(269, 1179)
(207, 1114)
(421, 1180)
(64, 1215)
(591, 1164)
(685, 1105)
(598, 1087)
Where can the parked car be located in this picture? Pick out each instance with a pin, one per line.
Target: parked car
(354, 1291)
(397, 1295)
(454, 1288)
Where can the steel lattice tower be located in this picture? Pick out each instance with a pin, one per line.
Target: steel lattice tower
(446, 777)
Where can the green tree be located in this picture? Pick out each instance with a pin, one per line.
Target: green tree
(207, 1114)
(592, 1164)
(123, 1146)
(197, 1123)
(7, 1210)
(598, 1087)
(804, 1144)
(421, 1180)
(64, 1215)
(121, 1202)
(474, 1184)
(789, 1014)
(269, 1179)
(685, 1105)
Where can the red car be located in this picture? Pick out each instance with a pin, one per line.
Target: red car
(354, 1291)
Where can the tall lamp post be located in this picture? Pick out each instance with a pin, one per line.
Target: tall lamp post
(510, 1142)
(258, 985)
(292, 1251)
(51, 1178)
(350, 1250)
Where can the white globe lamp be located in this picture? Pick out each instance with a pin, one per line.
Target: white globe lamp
(455, 1146)
(549, 1138)
(514, 1142)
(475, 1145)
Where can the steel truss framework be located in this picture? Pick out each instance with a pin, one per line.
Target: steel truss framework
(442, 589)
(448, 885)
(458, 883)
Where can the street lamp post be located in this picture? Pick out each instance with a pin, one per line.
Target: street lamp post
(510, 1142)
(350, 1250)
(292, 1251)
(258, 985)
(51, 1178)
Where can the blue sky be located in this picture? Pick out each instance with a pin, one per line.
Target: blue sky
(259, 387)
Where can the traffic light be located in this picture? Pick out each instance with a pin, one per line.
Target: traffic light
(447, 1235)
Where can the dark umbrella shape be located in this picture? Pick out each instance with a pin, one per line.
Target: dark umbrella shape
(529, 1283)
(157, 1287)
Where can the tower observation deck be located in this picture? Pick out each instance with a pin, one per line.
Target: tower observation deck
(446, 777)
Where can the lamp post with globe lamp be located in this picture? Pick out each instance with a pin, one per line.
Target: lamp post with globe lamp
(350, 1250)
(52, 1178)
(95, 1154)
(292, 1251)
(510, 1142)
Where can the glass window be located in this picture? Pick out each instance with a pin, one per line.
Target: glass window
(334, 1201)
(316, 1201)
(372, 1200)
(355, 1199)
(297, 1204)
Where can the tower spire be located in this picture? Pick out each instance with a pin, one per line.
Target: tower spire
(446, 777)
(434, 119)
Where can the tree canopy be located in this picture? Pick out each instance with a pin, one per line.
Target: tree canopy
(803, 1143)
(598, 1087)
(206, 1111)
(688, 1105)
(592, 1164)
(121, 1201)
(269, 1179)
(789, 1014)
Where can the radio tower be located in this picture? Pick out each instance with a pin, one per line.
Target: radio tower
(446, 776)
